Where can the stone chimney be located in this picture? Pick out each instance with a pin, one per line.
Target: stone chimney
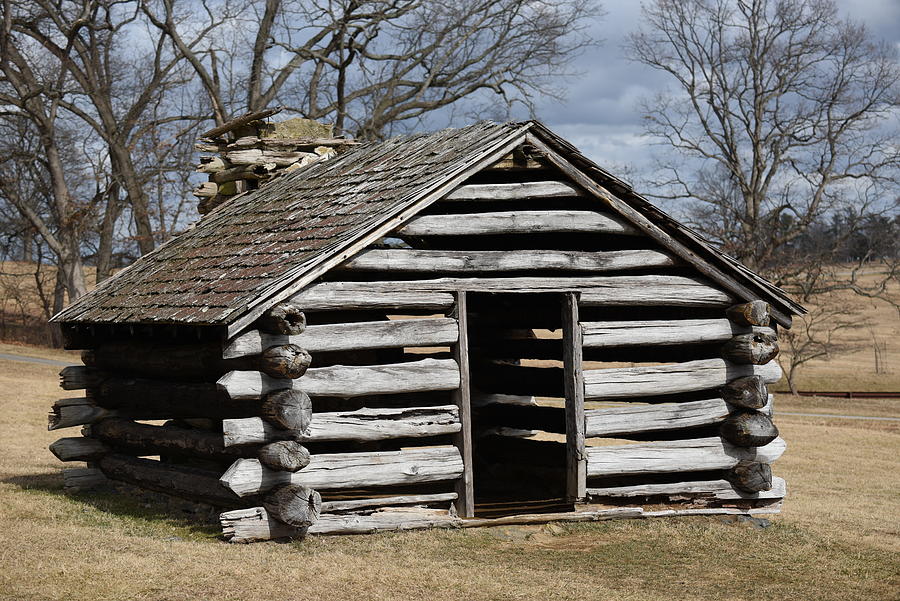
(250, 151)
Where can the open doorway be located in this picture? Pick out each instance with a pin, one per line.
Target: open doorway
(518, 403)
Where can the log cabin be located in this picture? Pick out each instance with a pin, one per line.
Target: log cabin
(470, 327)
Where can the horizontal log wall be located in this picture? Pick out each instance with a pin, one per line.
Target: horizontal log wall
(516, 222)
(718, 489)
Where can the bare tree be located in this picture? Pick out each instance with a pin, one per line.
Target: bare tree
(368, 65)
(783, 115)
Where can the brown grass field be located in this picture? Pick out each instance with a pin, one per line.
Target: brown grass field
(837, 539)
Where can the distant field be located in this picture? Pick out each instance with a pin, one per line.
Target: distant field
(838, 538)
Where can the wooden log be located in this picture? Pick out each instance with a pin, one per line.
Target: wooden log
(287, 409)
(717, 489)
(676, 378)
(257, 156)
(75, 412)
(638, 290)
(483, 399)
(251, 525)
(748, 429)
(284, 455)
(320, 297)
(352, 336)
(676, 456)
(79, 377)
(259, 171)
(285, 318)
(756, 348)
(633, 418)
(206, 190)
(146, 439)
(83, 479)
(754, 313)
(603, 334)
(211, 165)
(751, 476)
(357, 504)
(491, 261)
(349, 381)
(350, 470)
(362, 425)
(295, 505)
(515, 191)
(195, 361)
(576, 462)
(516, 222)
(179, 481)
(139, 398)
(750, 392)
(78, 448)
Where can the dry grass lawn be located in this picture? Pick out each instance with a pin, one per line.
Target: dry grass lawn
(838, 538)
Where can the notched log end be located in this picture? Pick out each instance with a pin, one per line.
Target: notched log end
(284, 456)
(751, 476)
(746, 428)
(287, 409)
(295, 505)
(283, 318)
(287, 361)
(750, 392)
(754, 313)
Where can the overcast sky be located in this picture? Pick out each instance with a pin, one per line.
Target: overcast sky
(601, 115)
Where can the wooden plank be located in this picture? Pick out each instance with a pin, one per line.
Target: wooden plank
(327, 298)
(600, 334)
(676, 456)
(641, 290)
(75, 412)
(489, 261)
(352, 336)
(350, 470)
(348, 381)
(515, 191)
(517, 222)
(718, 489)
(361, 425)
(576, 463)
(465, 487)
(78, 448)
(690, 376)
(641, 222)
(633, 418)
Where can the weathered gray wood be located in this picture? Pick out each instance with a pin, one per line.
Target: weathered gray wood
(350, 470)
(597, 515)
(747, 428)
(79, 377)
(633, 418)
(465, 486)
(284, 318)
(294, 505)
(489, 261)
(751, 476)
(750, 392)
(75, 412)
(255, 156)
(515, 191)
(483, 399)
(287, 409)
(78, 448)
(718, 489)
(516, 222)
(251, 525)
(639, 290)
(352, 336)
(179, 481)
(284, 455)
(628, 382)
(576, 462)
(673, 513)
(194, 361)
(676, 456)
(349, 381)
(146, 439)
(754, 313)
(361, 425)
(603, 334)
(82, 479)
(356, 504)
(320, 297)
(755, 348)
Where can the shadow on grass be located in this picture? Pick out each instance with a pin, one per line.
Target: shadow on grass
(139, 506)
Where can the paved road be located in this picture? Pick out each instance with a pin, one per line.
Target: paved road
(25, 359)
